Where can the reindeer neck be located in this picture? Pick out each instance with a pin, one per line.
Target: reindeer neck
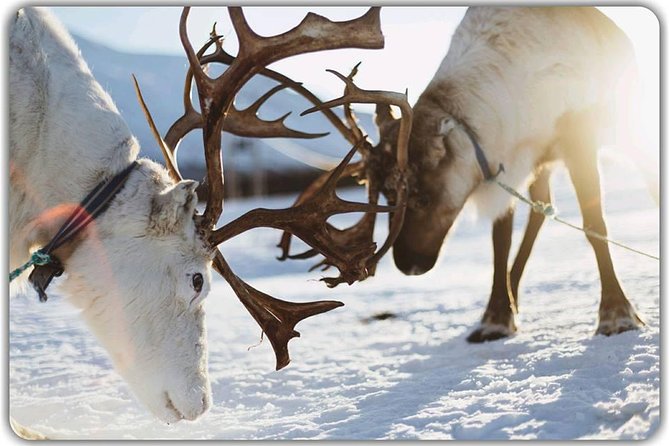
(75, 134)
(65, 133)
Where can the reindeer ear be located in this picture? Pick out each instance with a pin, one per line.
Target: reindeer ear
(384, 115)
(173, 207)
(436, 144)
(388, 127)
(446, 125)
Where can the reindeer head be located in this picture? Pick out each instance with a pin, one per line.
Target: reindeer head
(423, 165)
(441, 176)
(383, 169)
(153, 329)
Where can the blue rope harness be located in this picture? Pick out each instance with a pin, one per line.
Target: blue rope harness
(47, 266)
(546, 209)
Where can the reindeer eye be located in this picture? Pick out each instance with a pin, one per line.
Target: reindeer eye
(198, 281)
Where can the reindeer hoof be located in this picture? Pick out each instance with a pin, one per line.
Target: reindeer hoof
(619, 325)
(490, 332)
(618, 320)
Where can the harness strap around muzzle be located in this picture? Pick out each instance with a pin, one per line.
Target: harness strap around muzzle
(46, 265)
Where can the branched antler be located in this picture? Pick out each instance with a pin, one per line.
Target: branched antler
(276, 317)
(374, 168)
(308, 221)
(353, 94)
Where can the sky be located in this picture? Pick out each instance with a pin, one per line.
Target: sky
(417, 39)
(136, 30)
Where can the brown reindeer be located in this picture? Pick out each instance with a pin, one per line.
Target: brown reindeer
(528, 87)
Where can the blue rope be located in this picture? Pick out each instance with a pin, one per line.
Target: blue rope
(37, 258)
(539, 207)
(94, 204)
(549, 211)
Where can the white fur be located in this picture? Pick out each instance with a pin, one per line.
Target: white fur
(131, 274)
(488, 328)
(512, 73)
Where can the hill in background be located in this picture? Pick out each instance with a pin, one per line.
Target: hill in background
(252, 166)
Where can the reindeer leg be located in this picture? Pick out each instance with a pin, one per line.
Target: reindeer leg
(616, 313)
(539, 191)
(498, 319)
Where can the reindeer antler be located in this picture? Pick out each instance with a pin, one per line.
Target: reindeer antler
(373, 168)
(277, 318)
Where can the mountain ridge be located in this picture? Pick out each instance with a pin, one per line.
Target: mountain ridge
(161, 78)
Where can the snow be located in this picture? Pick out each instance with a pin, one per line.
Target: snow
(409, 377)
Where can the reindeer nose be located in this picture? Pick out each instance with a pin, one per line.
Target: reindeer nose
(413, 263)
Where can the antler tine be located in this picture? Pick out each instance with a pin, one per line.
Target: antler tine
(246, 122)
(245, 35)
(308, 221)
(348, 111)
(214, 39)
(253, 108)
(191, 119)
(172, 166)
(353, 169)
(277, 318)
(193, 60)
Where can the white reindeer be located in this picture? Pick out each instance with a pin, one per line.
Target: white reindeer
(65, 136)
(141, 271)
(530, 86)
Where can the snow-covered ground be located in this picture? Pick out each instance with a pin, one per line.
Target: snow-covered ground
(411, 377)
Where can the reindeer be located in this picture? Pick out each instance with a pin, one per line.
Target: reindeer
(530, 86)
(65, 136)
(525, 88)
(140, 272)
